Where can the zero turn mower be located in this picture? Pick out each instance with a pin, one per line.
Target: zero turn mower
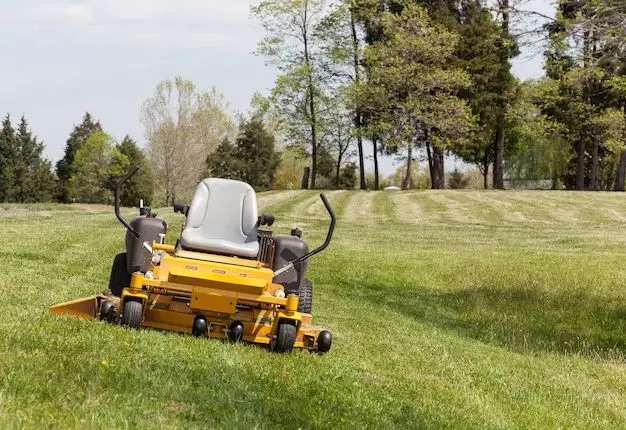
(225, 278)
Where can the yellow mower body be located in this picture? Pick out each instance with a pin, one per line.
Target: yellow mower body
(212, 294)
(222, 290)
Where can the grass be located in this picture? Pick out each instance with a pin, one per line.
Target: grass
(458, 309)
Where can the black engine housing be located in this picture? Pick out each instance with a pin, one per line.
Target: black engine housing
(148, 227)
(287, 249)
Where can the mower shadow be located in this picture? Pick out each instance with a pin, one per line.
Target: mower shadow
(525, 320)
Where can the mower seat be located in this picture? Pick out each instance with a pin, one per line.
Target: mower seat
(222, 219)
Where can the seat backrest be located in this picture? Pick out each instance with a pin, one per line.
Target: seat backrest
(222, 219)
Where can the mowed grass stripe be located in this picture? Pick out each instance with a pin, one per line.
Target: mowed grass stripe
(360, 207)
(447, 210)
(268, 198)
(526, 204)
(482, 207)
(313, 207)
(289, 205)
(384, 206)
(581, 209)
(406, 208)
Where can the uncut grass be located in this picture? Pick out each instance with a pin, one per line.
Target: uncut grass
(436, 324)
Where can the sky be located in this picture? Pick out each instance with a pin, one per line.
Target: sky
(60, 58)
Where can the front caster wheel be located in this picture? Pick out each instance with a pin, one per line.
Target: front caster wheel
(285, 337)
(107, 311)
(131, 315)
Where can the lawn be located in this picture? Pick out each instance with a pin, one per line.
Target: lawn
(458, 309)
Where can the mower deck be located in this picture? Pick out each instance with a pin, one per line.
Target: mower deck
(176, 317)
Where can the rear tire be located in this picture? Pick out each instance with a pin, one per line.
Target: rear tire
(120, 278)
(285, 337)
(305, 296)
(132, 313)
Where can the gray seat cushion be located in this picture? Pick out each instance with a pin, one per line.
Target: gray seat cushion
(222, 219)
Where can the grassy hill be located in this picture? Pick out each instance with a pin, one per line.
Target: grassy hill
(459, 309)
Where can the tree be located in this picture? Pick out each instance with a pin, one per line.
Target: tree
(8, 160)
(347, 178)
(586, 59)
(182, 125)
(479, 53)
(292, 45)
(342, 40)
(412, 91)
(224, 162)
(252, 159)
(507, 50)
(141, 185)
(34, 181)
(292, 165)
(541, 149)
(97, 165)
(77, 138)
(339, 133)
(458, 180)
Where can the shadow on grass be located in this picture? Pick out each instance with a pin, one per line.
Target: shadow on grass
(525, 320)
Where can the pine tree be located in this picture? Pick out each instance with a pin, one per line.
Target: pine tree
(8, 159)
(77, 139)
(412, 89)
(457, 180)
(253, 158)
(33, 175)
(479, 54)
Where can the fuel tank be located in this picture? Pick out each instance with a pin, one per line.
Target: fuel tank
(149, 229)
(287, 249)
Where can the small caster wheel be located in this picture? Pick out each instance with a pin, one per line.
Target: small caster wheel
(324, 341)
(132, 313)
(285, 337)
(107, 311)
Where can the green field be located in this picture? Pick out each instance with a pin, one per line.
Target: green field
(449, 309)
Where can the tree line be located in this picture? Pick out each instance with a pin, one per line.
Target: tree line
(422, 79)
(419, 80)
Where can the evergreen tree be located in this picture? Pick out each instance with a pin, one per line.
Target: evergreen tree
(34, 181)
(457, 180)
(140, 186)
(253, 158)
(224, 162)
(77, 139)
(8, 158)
(347, 177)
(479, 54)
(412, 89)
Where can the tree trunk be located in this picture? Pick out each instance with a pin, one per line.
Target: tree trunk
(338, 170)
(375, 146)
(406, 184)
(486, 173)
(359, 144)
(358, 117)
(595, 164)
(305, 178)
(437, 173)
(580, 165)
(430, 161)
(313, 136)
(311, 91)
(620, 174)
(498, 160)
(505, 55)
